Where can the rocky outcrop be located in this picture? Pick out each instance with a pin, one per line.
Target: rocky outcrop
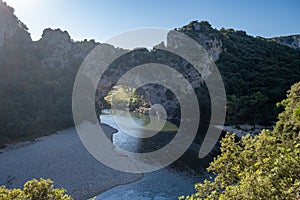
(206, 36)
(57, 49)
(292, 41)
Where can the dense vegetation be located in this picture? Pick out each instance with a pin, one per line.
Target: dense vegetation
(34, 190)
(256, 72)
(266, 166)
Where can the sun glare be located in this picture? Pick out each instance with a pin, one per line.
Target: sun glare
(19, 5)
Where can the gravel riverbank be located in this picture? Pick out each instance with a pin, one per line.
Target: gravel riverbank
(62, 158)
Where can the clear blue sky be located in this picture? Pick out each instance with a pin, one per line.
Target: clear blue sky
(101, 19)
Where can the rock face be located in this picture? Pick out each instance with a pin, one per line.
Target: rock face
(292, 41)
(203, 33)
(56, 49)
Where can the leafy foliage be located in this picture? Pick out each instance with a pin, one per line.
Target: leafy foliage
(123, 96)
(34, 190)
(297, 113)
(266, 166)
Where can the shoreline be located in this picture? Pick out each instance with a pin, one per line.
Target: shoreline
(21, 143)
(241, 130)
(62, 158)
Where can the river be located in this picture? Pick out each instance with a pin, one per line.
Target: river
(168, 183)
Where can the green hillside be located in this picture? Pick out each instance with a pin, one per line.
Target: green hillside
(256, 72)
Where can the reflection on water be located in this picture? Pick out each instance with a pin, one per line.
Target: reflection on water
(165, 184)
(133, 136)
(141, 120)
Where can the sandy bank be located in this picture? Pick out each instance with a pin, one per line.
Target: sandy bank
(62, 158)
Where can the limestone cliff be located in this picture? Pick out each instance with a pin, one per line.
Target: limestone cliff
(57, 49)
(292, 41)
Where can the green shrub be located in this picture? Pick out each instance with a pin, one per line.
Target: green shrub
(297, 114)
(266, 166)
(34, 190)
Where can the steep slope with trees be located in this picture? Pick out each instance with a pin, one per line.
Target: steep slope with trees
(36, 79)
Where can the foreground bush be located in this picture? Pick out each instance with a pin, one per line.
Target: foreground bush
(266, 166)
(34, 190)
